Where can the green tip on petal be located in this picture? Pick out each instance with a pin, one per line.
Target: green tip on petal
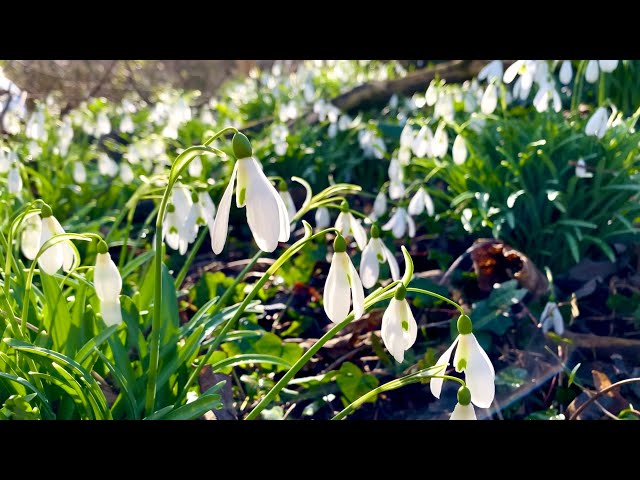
(241, 146)
(194, 197)
(464, 396)
(344, 206)
(282, 186)
(375, 231)
(401, 292)
(171, 208)
(103, 247)
(465, 327)
(46, 211)
(339, 244)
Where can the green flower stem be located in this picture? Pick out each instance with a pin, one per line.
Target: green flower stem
(601, 88)
(192, 255)
(392, 385)
(377, 296)
(433, 294)
(180, 163)
(222, 132)
(353, 212)
(577, 91)
(293, 249)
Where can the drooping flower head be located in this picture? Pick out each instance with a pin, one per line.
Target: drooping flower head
(471, 359)
(552, 318)
(343, 285)
(399, 329)
(266, 212)
(374, 254)
(421, 201)
(59, 255)
(399, 223)
(459, 150)
(108, 284)
(349, 226)
(463, 409)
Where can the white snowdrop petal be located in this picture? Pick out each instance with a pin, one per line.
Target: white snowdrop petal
(221, 223)
(111, 312)
(435, 384)
(459, 150)
(393, 263)
(566, 72)
(369, 265)
(463, 412)
(359, 234)
(51, 259)
(322, 217)
(357, 292)
(592, 71)
(417, 204)
(30, 236)
(263, 209)
(479, 373)
(337, 295)
(106, 278)
(412, 226)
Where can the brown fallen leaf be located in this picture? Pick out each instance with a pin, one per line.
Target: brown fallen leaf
(496, 262)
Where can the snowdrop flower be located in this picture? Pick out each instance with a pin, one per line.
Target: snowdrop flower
(107, 166)
(431, 96)
(444, 108)
(371, 144)
(35, 129)
(108, 284)
(396, 187)
(59, 255)
(393, 102)
(35, 150)
(14, 180)
(399, 222)
(207, 208)
(288, 111)
(177, 232)
(491, 71)
(421, 144)
(552, 318)
(420, 201)
(592, 72)
(344, 122)
(399, 328)
(463, 409)
(126, 125)
(79, 173)
(471, 359)
(322, 217)
(279, 139)
(65, 136)
(375, 253)
(343, 285)
(489, 100)
(459, 150)
(195, 167)
(5, 162)
(195, 219)
(30, 236)
(126, 173)
(597, 124)
(103, 125)
(581, 170)
(406, 136)
(440, 142)
(546, 93)
(566, 72)
(608, 66)
(526, 69)
(379, 207)
(349, 226)
(287, 199)
(266, 212)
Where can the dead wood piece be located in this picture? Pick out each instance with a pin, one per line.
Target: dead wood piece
(206, 380)
(601, 347)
